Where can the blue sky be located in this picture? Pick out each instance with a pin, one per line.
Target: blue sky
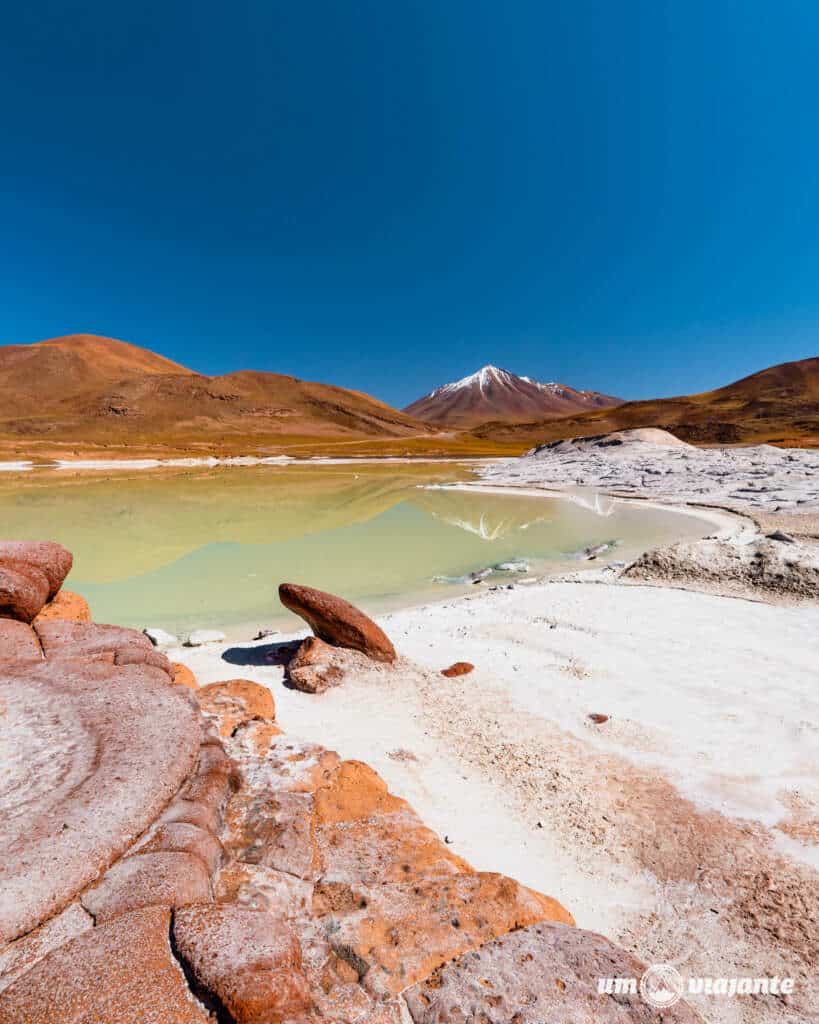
(620, 196)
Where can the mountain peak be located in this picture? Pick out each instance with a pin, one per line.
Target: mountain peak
(492, 393)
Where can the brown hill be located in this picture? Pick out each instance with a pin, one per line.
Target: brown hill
(779, 405)
(498, 395)
(87, 390)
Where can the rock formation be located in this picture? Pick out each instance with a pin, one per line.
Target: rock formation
(168, 854)
(337, 622)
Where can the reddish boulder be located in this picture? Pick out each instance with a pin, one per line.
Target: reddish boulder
(247, 959)
(337, 622)
(313, 668)
(23, 590)
(460, 668)
(51, 559)
(598, 719)
(67, 607)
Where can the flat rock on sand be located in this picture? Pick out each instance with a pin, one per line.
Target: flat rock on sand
(91, 755)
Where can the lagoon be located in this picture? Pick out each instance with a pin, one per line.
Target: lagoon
(207, 547)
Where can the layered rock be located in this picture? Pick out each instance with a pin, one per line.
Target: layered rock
(31, 573)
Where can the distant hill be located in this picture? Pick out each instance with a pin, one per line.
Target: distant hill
(498, 395)
(85, 389)
(779, 405)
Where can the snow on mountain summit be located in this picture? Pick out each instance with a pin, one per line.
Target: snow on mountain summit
(492, 393)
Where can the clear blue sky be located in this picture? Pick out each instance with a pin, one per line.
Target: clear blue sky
(388, 194)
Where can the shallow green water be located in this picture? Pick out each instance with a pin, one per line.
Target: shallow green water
(205, 548)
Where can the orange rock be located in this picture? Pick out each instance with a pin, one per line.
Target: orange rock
(337, 622)
(354, 791)
(250, 961)
(183, 676)
(598, 719)
(66, 606)
(235, 702)
(121, 972)
(404, 931)
(460, 668)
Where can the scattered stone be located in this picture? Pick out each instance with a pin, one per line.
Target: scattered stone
(200, 637)
(235, 702)
(160, 637)
(314, 668)
(781, 536)
(598, 719)
(263, 634)
(459, 668)
(66, 606)
(337, 622)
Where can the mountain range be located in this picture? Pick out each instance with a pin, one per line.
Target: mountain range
(85, 394)
(87, 389)
(492, 394)
(778, 405)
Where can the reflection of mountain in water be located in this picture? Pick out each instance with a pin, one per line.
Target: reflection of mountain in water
(490, 517)
(131, 524)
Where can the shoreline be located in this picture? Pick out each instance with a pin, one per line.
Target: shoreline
(709, 739)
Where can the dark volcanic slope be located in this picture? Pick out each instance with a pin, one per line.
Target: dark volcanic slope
(778, 405)
(498, 395)
(87, 389)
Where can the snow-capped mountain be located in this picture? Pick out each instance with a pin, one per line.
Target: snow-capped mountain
(495, 394)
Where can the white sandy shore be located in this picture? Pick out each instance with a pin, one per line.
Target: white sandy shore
(715, 695)
(686, 827)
